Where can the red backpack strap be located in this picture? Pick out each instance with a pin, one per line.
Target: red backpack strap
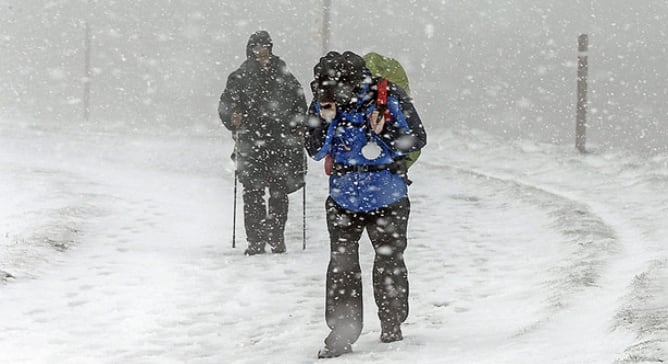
(329, 164)
(381, 97)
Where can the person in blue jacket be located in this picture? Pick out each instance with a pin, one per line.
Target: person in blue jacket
(365, 141)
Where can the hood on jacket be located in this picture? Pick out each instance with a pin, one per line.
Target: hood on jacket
(259, 38)
(338, 77)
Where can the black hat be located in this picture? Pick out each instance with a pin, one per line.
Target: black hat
(338, 77)
(260, 38)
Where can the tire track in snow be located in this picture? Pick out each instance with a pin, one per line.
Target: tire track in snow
(33, 235)
(628, 192)
(591, 242)
(638, 305)
(645, 311)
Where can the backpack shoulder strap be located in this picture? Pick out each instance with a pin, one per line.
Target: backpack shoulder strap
(381, 97)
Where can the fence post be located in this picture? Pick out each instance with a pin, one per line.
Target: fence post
(581, 118)
(326, 25)
(87, 74)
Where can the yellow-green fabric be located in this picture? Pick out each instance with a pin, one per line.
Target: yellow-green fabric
(390, 68)
(412, 157)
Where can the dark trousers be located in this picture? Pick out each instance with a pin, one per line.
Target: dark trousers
(386, 228)
(265, 225)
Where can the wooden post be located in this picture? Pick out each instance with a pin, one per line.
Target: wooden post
(326, 22)
(581, 119)
(87, 74)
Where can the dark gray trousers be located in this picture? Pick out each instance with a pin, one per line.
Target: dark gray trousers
(386, 228)
(265, 224)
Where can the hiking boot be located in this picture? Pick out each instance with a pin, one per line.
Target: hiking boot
(332, 352)
(278, 248)
(390, 332)
(254, 250)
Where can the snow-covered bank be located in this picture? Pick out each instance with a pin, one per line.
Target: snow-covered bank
(519, 253)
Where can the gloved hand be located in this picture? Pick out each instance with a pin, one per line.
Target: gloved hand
(237, 118)
(377, 122)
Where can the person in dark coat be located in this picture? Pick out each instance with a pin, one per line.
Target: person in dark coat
(263, 105)
(366, 138)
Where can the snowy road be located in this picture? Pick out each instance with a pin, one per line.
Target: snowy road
(120, 251)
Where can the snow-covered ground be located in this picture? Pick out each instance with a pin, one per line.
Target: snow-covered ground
(115, 247)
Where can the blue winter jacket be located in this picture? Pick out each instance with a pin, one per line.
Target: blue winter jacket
(359, 183)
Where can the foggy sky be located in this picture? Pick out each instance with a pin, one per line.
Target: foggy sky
(504, 66)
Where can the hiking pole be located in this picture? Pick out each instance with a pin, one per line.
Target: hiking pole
(234, 213)
(304, 206)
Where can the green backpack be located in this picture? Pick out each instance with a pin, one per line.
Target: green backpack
(391, 69)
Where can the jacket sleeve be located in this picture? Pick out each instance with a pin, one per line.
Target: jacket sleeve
(315, 131)
(402, 139)
(230, 99)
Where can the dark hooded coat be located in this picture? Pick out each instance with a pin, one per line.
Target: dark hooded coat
(269, 141)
